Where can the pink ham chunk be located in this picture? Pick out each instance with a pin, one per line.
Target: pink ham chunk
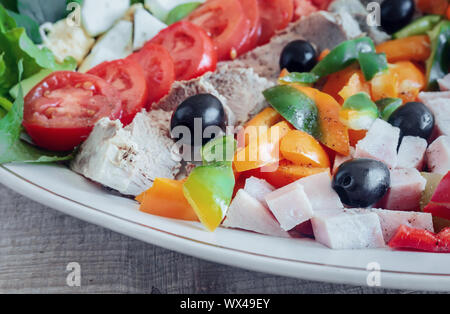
(438, 155)
(340, 159)
(444, 83)
(412, 152)
(320, 193)
(406, 190)
(246, 213)
(348, 231)
(258, 189)
(380, 143)
(290, 206)
(391, 220)
(426, 97)
(441, 110)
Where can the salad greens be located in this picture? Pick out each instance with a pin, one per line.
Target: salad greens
(181, 11)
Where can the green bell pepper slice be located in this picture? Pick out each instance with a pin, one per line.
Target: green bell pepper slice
(343, 55)
(388, 106)
(209, 190)
(419, 27)
(372, 63)
(359, 112)
(439, 61)
(221, 149)
(296, 107)
(305, 79)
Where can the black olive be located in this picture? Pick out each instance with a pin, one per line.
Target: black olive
(298, 56)
(396, 14)
(362, 182)
(209, 112)
(413, 119)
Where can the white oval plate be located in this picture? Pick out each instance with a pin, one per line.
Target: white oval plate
(58, 187)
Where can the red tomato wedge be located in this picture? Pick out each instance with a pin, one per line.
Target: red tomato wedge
(275, 15)
(61, 111)
(226, 23)
(251, 9)
(159, 71)
(129, 79)
(191, 49)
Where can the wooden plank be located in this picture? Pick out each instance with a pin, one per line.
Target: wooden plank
(37, 243)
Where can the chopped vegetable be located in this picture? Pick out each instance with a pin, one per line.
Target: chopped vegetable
(337, 81)
(295, 106)
(306, 79)
(438, 64)
(385, 85)
(209, 190)
(419, 27)
(415, 48)
(332, 132)
(421, 240)
(372, 63)
(262, 151)
(221, 149)
(387, 106)
(355, 84)
(411, 80)
(343, 55)
(303, 149)
(439, 205)
(432, 6)
(266, 118)
(359, 112)
(433, 180)
(181, 11)
(166, 199)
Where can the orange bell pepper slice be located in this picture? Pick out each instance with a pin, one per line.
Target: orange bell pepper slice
(433, 6)
(263, 149)
(266, 118)
(355, 85)
(302, 149)
(411, 80)
(334, 134)
(337, 81)
(414, 48)
(385, 85)
(286, 173)
(323, 54)
(448, 13)
(166, 199)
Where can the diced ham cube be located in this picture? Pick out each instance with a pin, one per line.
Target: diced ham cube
(340, 159)
(406, 190)
(412, 152)
(438, 155)
(320, 192)
(246, 213)
(441, 110)
(444, 83)
(380, 143)
(391, 220)
(348, 231)
(290, 206)
(258, 189)
(426, 97)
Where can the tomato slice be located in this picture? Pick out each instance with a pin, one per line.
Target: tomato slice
(61, 111)
(275, 15)
(129, 79)
(159, 71)
(251, 9)
(226, 23)
(191, 49)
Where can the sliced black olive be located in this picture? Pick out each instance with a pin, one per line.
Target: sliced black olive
(362, 182)
(298, 56)
(197, 113)
(396, 14)
(413, 119)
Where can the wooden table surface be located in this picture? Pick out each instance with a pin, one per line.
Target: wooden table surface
(37, 243)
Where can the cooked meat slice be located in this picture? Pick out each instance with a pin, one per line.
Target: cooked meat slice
(258, 189)
(406, 190)
(444, 83)
(380, 143)
(239, 90)
(438, 155)
(391, 220)
(247, 213)
(412, 152)
(129, 159)
(348, 231)
(340, 159)
(441, 110)
(324, 30)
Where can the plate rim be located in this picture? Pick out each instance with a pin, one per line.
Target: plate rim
(220, 254)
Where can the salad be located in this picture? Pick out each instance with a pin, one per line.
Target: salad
(288, 118)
